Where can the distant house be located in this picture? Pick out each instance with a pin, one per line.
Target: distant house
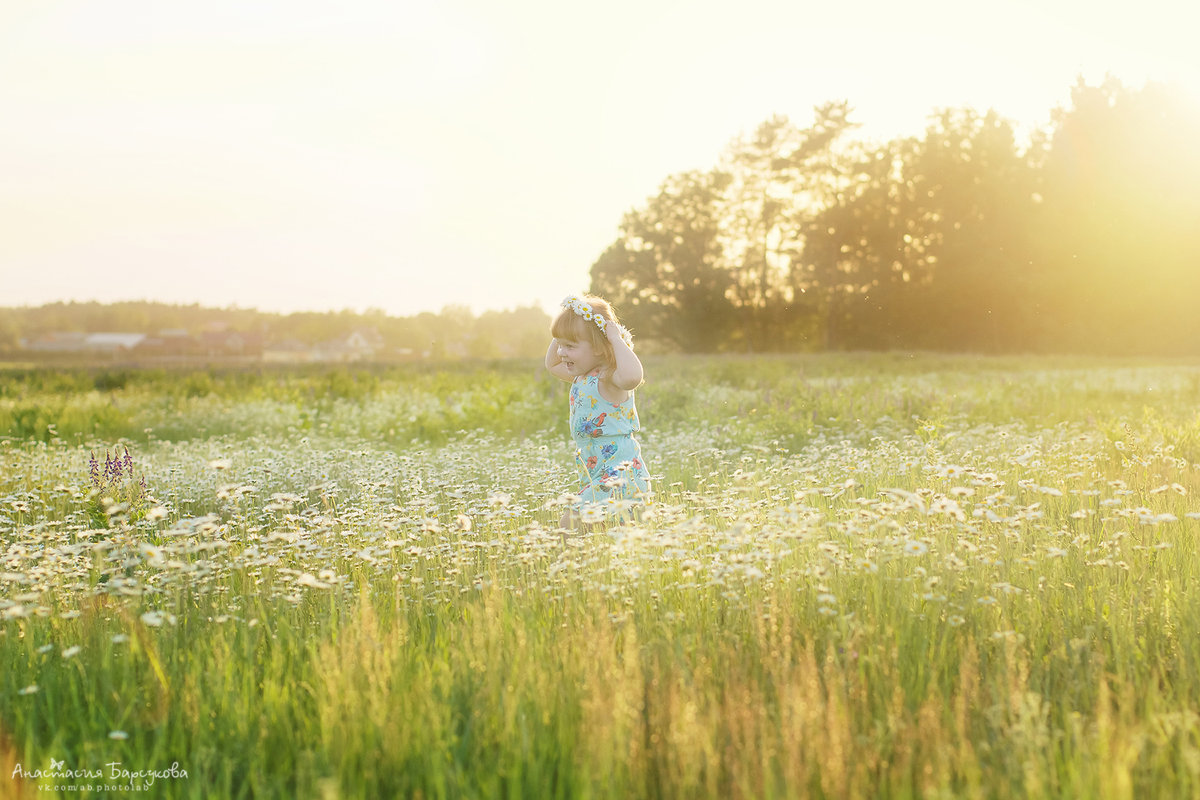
(112, 342)
(170, 342)
(56, 342)
(361, 344)
(366, 338)
(74, 342)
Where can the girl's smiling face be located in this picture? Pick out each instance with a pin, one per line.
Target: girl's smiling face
(579, 357)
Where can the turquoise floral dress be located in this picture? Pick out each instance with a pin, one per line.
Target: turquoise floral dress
(609, 458)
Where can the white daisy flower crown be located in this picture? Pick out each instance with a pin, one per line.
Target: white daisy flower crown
(576, 304)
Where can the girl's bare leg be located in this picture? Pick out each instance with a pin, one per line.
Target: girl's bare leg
(568, 522)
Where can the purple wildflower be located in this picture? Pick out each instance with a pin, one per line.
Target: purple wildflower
(128, 462)
(94, 469)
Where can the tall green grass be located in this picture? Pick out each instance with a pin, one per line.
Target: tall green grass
(811, 608)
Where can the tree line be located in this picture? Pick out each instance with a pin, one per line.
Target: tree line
(454, 332)
(1084, 238)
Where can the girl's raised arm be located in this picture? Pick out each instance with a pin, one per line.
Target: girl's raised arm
(554, 363)
(628, 374)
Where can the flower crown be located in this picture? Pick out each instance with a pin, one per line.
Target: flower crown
(576, 304)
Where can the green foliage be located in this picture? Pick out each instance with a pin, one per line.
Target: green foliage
(962, 239)
(455, 332)
(786, 397)
(107, 380)
(1117, 241)
(862, 576)
(47, 416)
(666, 275)
(115, 492)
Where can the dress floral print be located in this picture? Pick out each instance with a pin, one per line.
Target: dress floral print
(609, 458)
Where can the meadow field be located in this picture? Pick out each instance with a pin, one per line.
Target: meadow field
(861, 576)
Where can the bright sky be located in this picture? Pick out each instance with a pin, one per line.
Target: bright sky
(405, 155)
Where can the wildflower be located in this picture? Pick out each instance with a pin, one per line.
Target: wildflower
(220, 464)
(118, 735)
(911, 499)
(94, 469)
(153, 618)
(307, 579)
(591, 514)
(583, 309)
(954, 620)
(112, 467)
(912, 547)
(30, 689)
(120, 638)
(563, 499)
(71, 651)
(944, 505)
(988, 514)
(152, 554)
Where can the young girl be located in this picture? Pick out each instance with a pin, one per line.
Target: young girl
(594, 353)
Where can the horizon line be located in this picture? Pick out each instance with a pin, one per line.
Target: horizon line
(235, 307)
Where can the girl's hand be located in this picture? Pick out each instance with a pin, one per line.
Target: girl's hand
(616, 333)
(628, 373)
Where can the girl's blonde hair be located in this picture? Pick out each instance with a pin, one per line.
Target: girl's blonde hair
(573, 328)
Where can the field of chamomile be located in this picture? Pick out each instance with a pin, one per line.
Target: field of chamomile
(859, 576)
